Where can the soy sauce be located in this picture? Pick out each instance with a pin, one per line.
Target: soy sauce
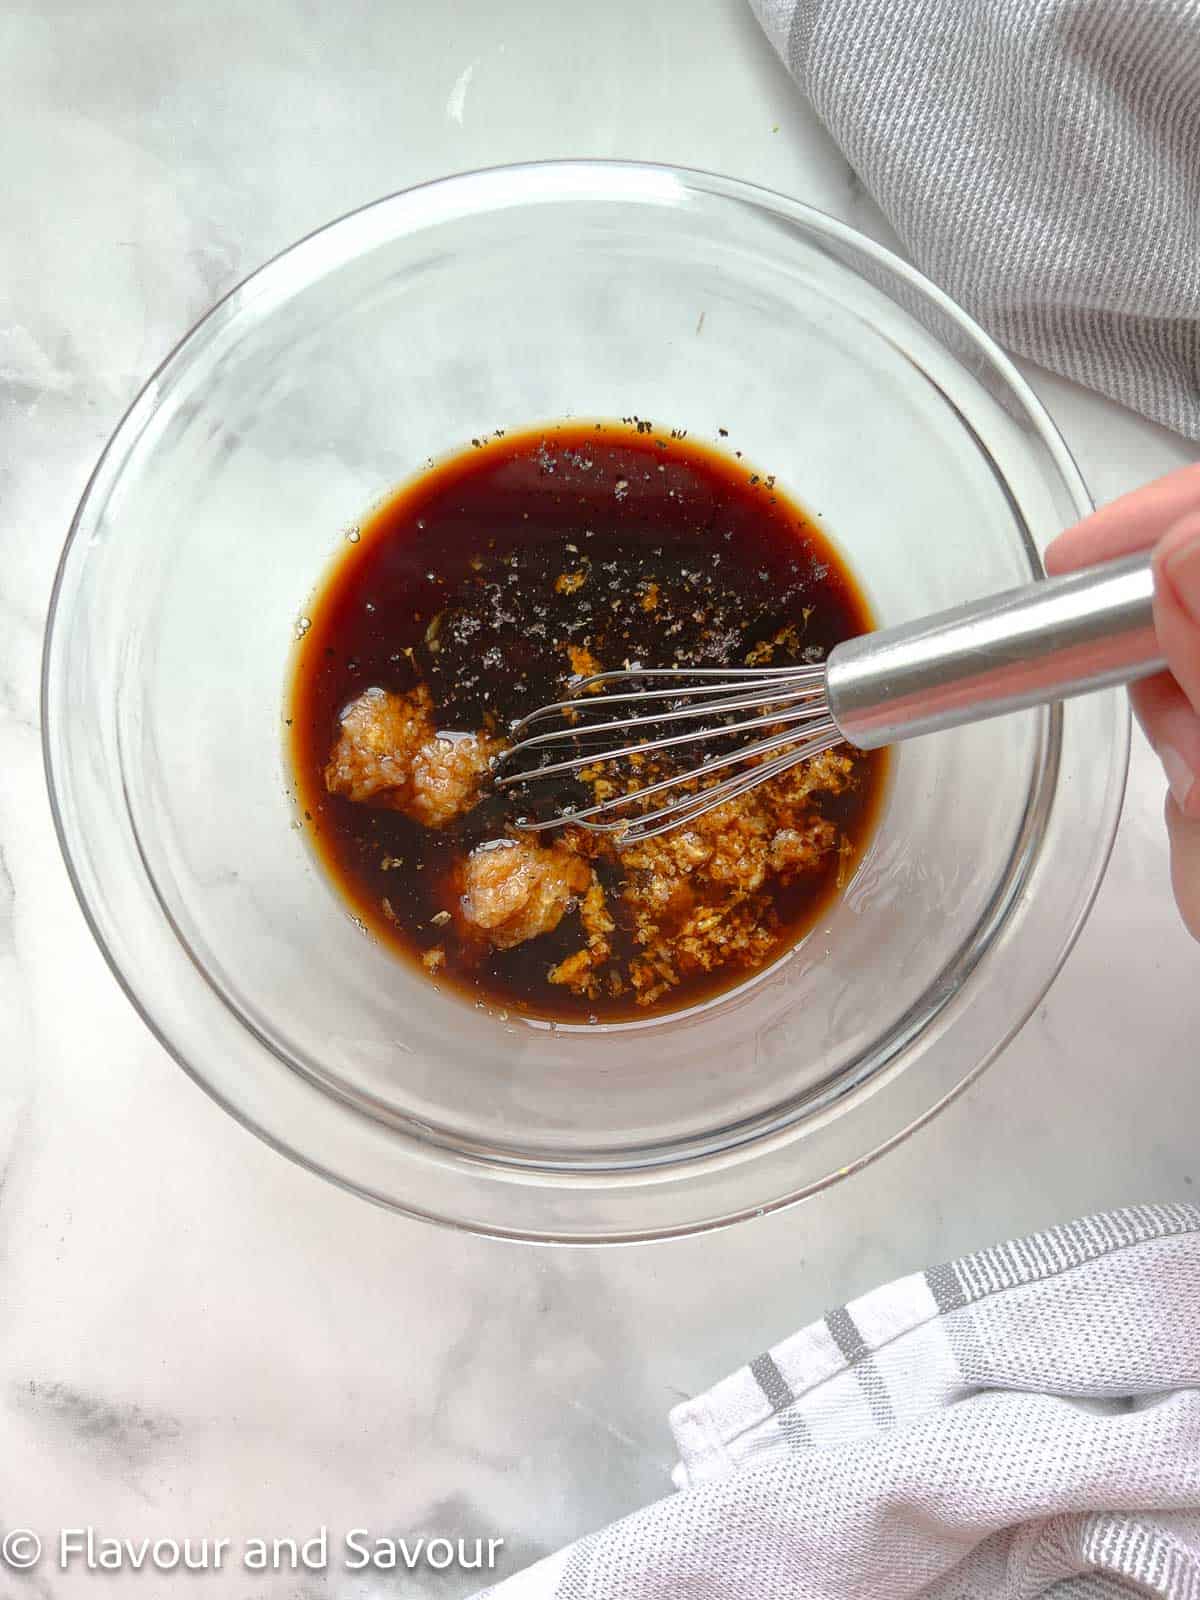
(490, 578)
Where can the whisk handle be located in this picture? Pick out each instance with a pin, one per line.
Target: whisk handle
(1045, 641)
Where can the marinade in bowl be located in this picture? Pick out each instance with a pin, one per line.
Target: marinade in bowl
(488, 586)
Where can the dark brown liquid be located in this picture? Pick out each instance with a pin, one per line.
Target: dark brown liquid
(459, 568)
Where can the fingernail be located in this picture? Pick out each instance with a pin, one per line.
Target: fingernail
(1182, 567)
(1179, 775)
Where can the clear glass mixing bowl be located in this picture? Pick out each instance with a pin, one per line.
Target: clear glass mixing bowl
(496, 299)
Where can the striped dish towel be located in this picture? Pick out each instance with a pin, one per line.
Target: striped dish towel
(1041, 161)
(1021, 1422)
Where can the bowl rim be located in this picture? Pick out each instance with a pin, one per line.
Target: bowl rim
(614, 180)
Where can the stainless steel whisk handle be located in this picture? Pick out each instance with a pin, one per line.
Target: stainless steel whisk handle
(1045, 641)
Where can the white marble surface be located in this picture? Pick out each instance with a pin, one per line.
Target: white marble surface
(195, 1336)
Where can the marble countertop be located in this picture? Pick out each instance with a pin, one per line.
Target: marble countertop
(195, 1336)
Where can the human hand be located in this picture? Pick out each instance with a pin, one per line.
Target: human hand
(1166, 515)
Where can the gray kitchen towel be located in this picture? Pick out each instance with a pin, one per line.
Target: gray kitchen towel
(1040, 159)
(1024, 1421)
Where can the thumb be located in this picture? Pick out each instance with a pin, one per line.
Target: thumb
(1184, 834)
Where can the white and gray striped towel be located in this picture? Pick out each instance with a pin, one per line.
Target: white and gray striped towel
(1021, 1422)
(1041, 161)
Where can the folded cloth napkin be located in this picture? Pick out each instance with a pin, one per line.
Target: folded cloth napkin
(1022, 1421)
(1041, 161)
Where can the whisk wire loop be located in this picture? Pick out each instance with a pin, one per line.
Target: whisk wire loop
(793, 713)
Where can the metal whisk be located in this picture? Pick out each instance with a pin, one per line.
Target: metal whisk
(1029, 646)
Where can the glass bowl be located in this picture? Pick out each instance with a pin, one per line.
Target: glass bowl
(394, 335)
